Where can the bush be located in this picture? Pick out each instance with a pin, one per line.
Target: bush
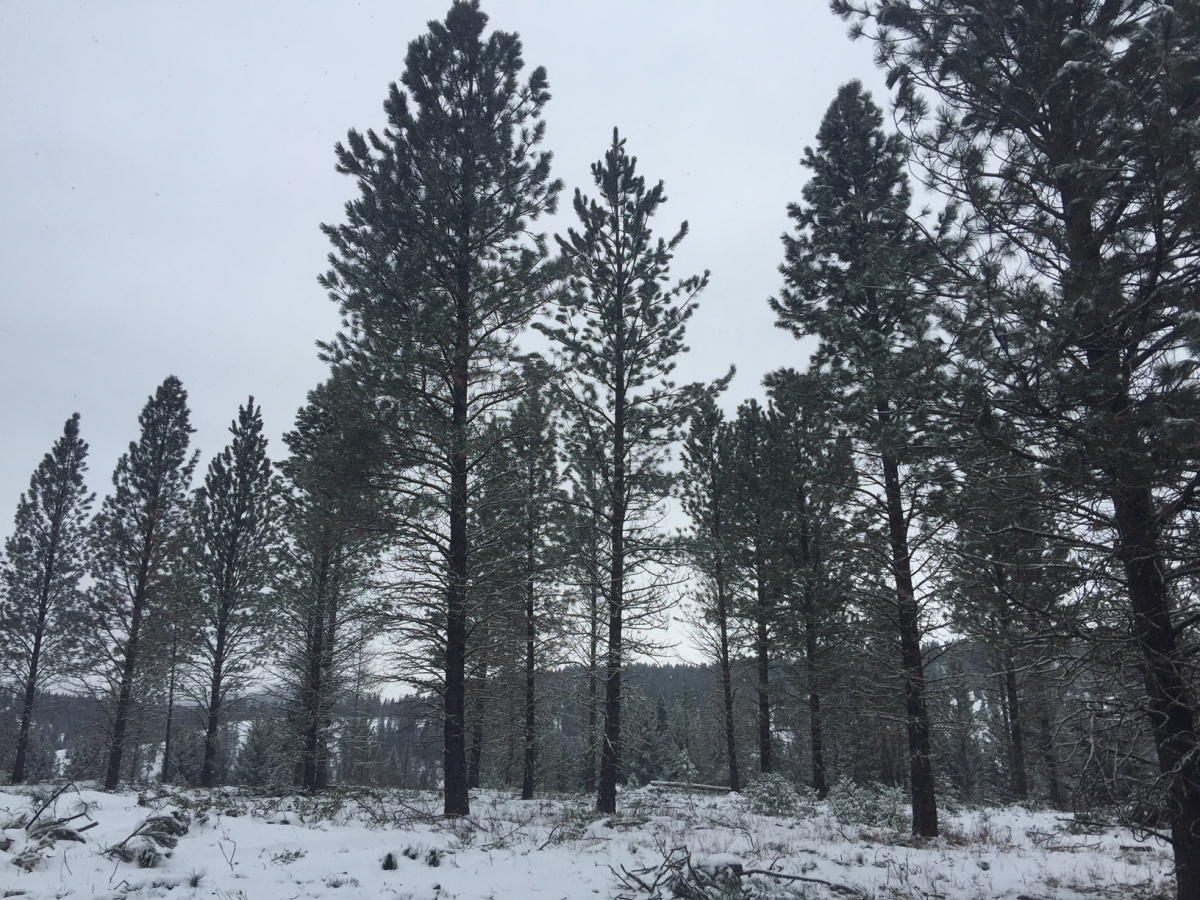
(869, 804)
(774, 795)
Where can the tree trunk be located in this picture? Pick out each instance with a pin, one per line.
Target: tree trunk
(1018, 780)
(1053, 786)
(166, 773)
(475, 753)
(726, 665)
(312, 698)
(1172, 709)
(606, 799)
(530, 708)
(810, 558)
(925, 818)
(454, 763)
(30, 695)
(763, 659)
(815, 721)
(208, 771)
(593, 678)
(112, 777)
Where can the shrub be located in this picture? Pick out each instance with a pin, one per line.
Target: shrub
(869, 804)
(774, 795)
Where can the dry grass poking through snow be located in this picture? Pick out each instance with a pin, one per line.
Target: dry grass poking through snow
(664, 843)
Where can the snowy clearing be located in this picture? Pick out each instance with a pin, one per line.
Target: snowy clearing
(664, 843)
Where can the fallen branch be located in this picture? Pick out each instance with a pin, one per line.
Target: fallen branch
(50, 800)
(833, 886)
(690, 786)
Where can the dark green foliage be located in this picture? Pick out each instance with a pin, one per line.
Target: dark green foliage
(756, 488)
(435, 271)
(264, 759)
(810, 471)
(1068, 130)
(153, 840)
(324, 611)
(234, 549)
(516, 610)
(41, 608)
(708, 489)
(619, 331)
(863, 275)
(137, 540)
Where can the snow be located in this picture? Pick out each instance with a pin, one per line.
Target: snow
(262, 848)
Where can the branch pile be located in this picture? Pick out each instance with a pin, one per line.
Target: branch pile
(715, 878)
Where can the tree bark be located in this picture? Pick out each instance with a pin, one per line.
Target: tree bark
(475, 753)
(593, 678)
(530, 698)
(727, 678)
(112, 776)
(166, 774)
(35, 658)
(920, 756)
(606, 800)
(208, 771)
(30, 695)
(454, 764)
(1018, 779)
(313, 699)
(763, 660)
(1171, 705)
(810, 558)
(1051, 763)
(815, 721)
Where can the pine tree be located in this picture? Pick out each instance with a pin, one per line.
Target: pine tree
(234, 525)
(515, 610)
(41, 609)
(136, 540)
(860, 274)
(1009, 574)
(174, 628)
(585, 546)
(708, 486)
(435, 272)
(330, 516)
(755, 494)
(619, 332)
(1085, 282)
(812, 474)
(532, 444)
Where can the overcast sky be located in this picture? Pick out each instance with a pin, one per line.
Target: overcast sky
(164, 168)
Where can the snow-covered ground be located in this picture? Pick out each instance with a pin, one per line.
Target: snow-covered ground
(240, 846)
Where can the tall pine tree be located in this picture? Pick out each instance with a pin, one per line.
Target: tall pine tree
(435, 272)
(619, 332)
(41, 609)
(1068, 129)
(811, 468)
(708, 486)
(235, 530)
(330, 517)
(858, 274)
(136, 541)
(756, 493)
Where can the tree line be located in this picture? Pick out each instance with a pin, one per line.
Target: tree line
(971, 518)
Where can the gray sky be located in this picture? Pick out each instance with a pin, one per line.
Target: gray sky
(164, 168)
